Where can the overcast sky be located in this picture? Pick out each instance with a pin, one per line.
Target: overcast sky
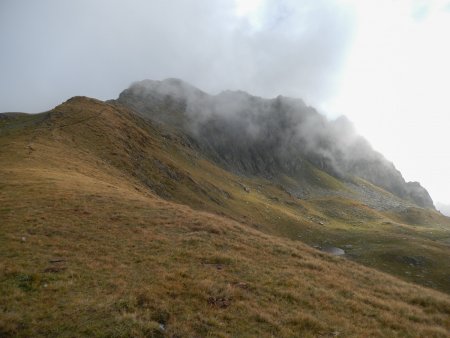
(383, 63)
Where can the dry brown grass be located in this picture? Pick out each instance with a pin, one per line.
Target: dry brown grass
(88, 250)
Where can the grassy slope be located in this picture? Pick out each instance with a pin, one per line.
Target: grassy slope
(87, 249)
(385, 241)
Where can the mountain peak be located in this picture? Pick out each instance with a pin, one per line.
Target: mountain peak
(170, 86)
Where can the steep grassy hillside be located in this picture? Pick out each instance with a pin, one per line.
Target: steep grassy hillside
(114, 226)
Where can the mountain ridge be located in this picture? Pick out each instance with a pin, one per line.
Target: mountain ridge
(257, 136)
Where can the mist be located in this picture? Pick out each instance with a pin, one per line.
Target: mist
(443, 208)
(53, 49)
(251, 135)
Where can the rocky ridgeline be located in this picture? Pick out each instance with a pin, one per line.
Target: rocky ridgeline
(269, 137)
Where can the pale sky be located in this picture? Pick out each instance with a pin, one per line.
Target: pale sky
(395, 87)
(383, 63)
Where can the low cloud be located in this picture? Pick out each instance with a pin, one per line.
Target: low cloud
(52, 50)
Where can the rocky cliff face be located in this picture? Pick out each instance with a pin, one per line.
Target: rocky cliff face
(268, 137)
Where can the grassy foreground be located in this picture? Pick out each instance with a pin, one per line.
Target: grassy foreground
(88, 250)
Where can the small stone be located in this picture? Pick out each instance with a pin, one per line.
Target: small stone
(24, 239)
(334, 251)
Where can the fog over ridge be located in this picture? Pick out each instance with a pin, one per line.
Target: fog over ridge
(254, 135)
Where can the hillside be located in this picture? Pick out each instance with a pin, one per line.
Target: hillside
(116, 225)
